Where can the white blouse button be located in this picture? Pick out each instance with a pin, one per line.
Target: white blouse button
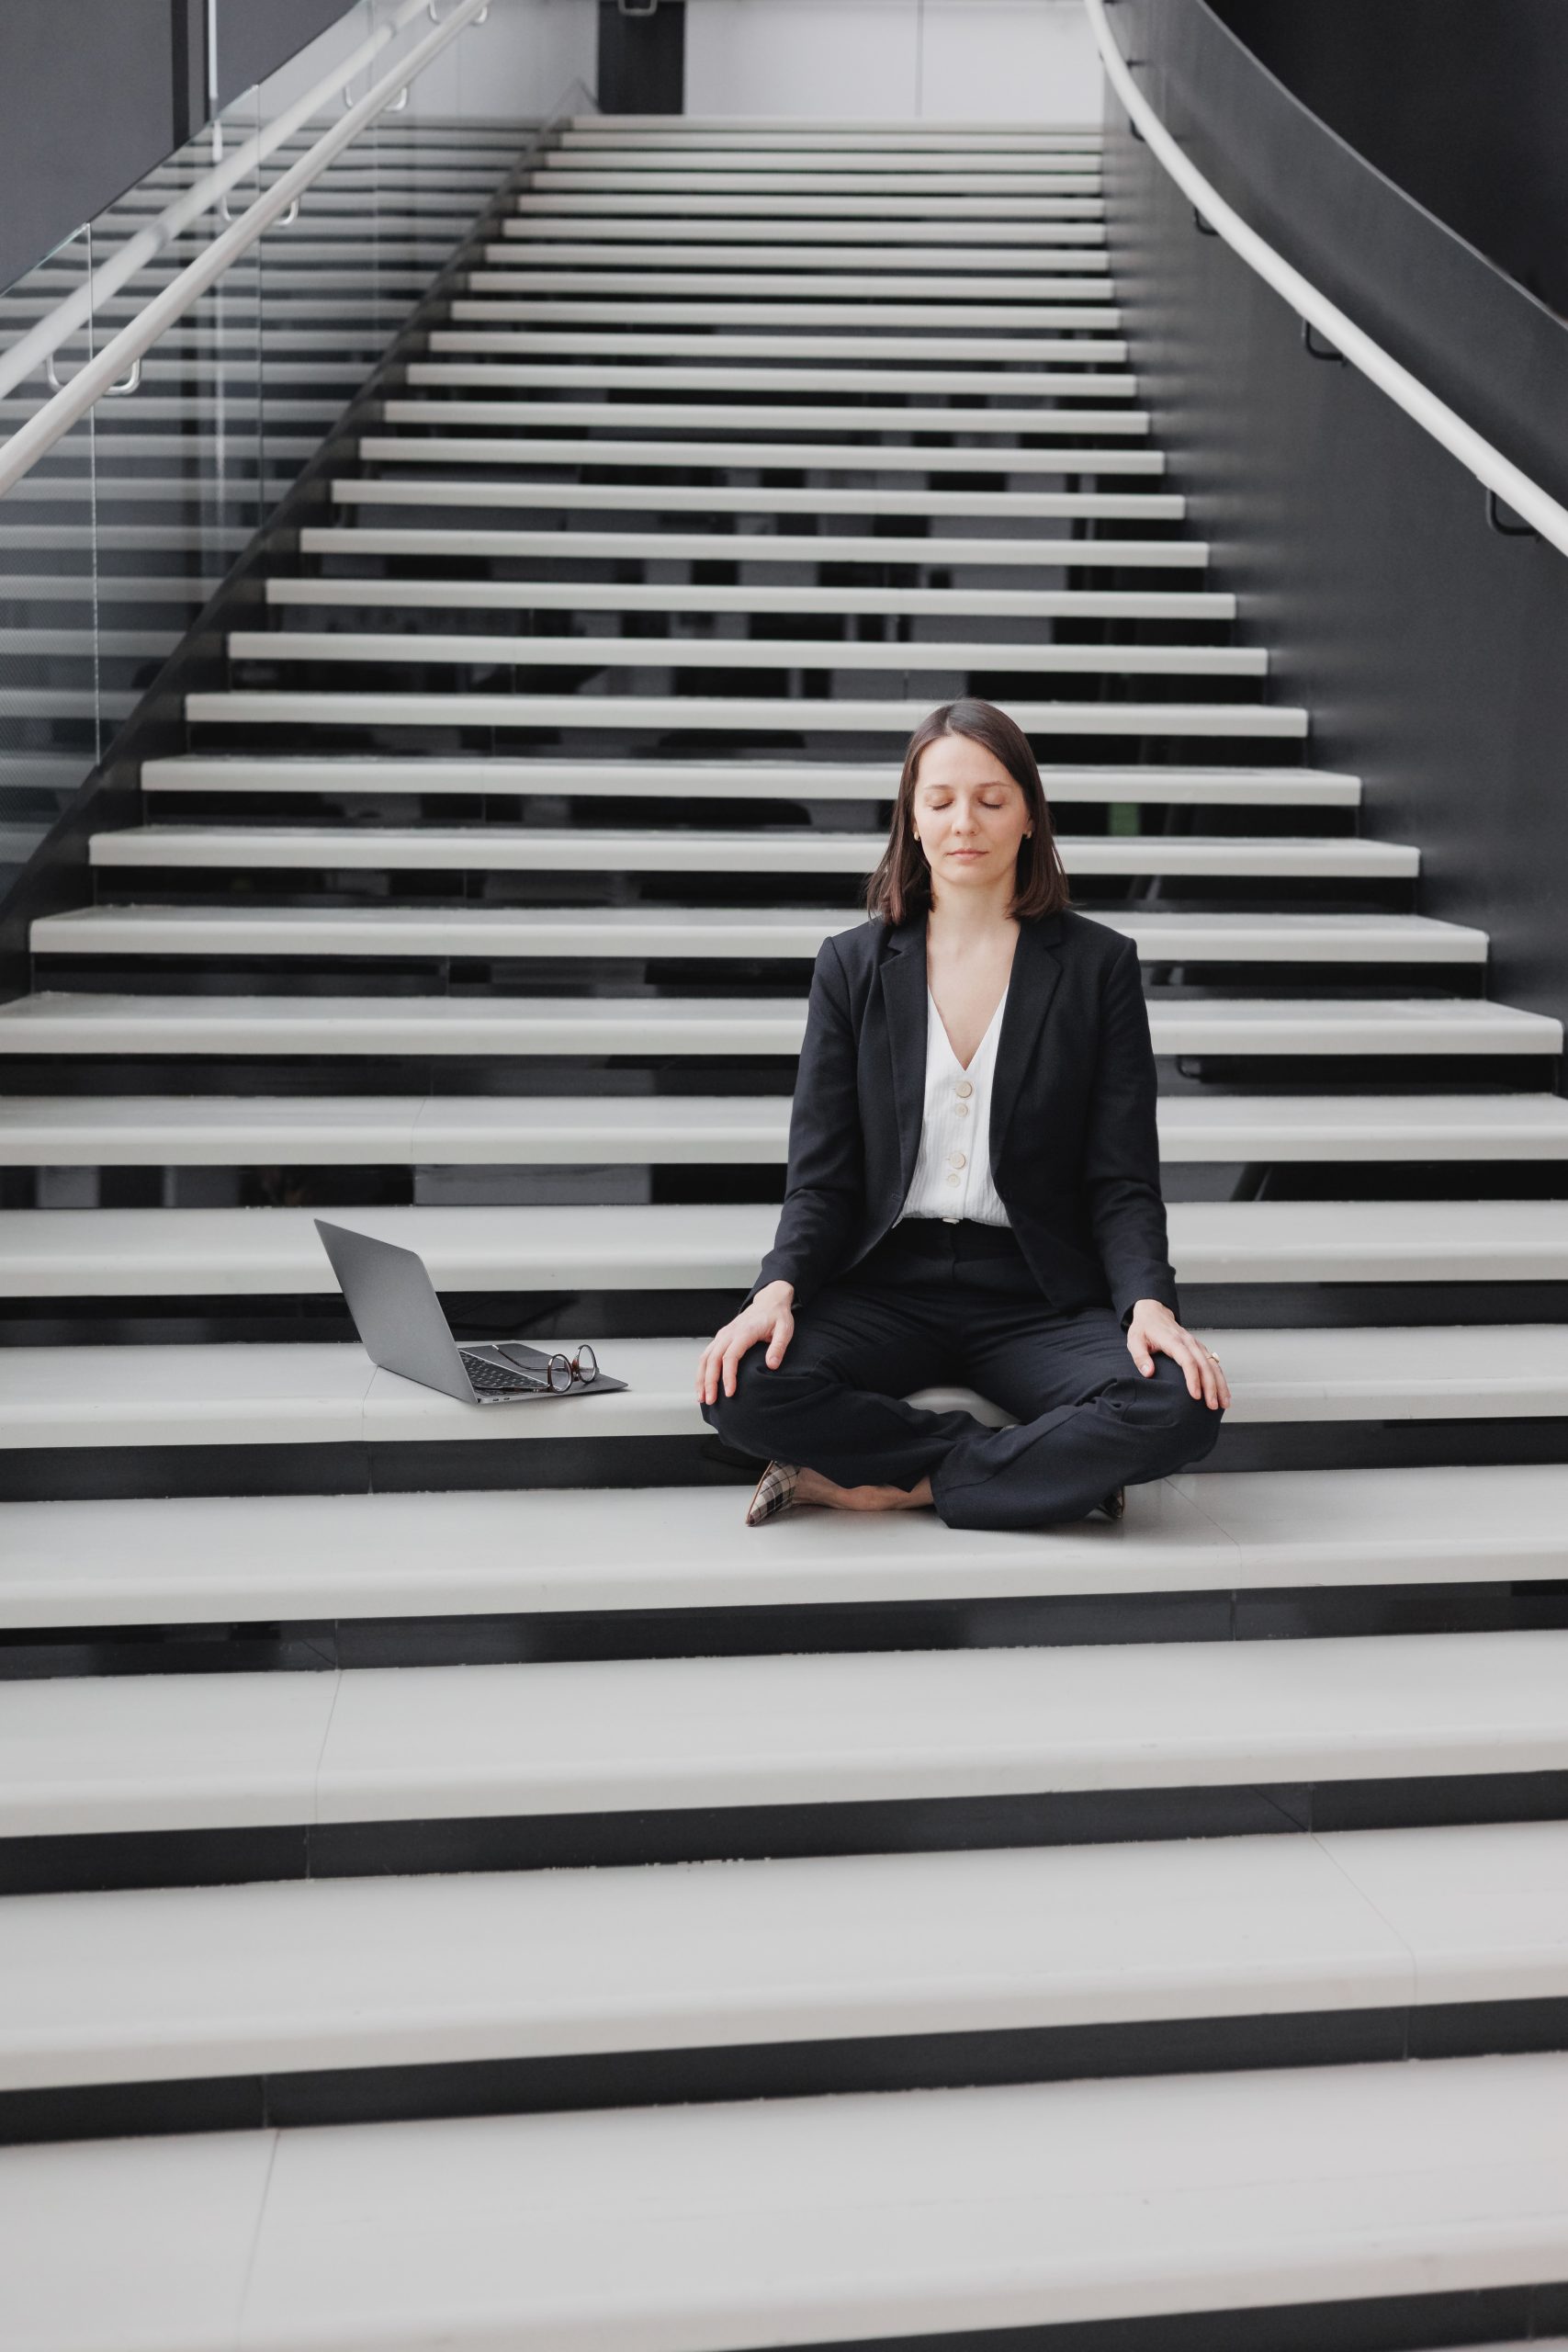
(956, 1160)
(964, 1087)
(953, 1180)
(961, 1110)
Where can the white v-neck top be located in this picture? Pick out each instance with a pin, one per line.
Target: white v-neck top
(953, 1168)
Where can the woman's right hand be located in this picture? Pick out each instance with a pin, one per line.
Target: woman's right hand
(768, 1316)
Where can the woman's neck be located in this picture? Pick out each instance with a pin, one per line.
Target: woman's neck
(969, 921)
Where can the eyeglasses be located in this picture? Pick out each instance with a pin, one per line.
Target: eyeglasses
(561, 1370)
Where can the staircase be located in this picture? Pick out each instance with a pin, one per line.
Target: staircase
(694, 1939)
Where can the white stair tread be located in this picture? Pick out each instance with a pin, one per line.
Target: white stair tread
(92, 1754)
(816, 235)
(700, 126)
(834, 149)
(752, 547)
(688, 932)
(65, 1021)
(838, 148)
(668, 498)
(761, 457)
(662, 176)
(268, 1394)
(774, 310)
(809, 131)
(985, 169)
(183, 1983)
(957, 206)
(688, 849)
(180, 1252)
(1005, 262)
(313, 1130)
(749, 597)
(637, 136)
(755, 416)
(795, 344)
(190, 1560)
(697, 779)
(520, 274)
(1072, 382)
(783, 2222)
(135, 588)
(561, 649)
(821, 715)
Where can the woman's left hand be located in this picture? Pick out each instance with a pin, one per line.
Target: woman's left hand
(1154, 1330)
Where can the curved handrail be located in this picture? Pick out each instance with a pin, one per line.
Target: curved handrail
(1475, 453)
(99, 374)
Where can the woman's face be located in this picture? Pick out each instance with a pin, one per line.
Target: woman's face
(969, 815)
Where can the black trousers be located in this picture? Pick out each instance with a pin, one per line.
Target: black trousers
(938, 1304)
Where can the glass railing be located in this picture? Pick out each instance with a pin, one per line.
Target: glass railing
(113, 541)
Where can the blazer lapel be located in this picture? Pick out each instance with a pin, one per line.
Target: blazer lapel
(1036, 968)
(904, 1004)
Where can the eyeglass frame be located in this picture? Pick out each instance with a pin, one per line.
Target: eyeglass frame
(573, 1369)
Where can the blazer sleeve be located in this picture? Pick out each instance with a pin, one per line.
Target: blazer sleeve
(825, 1191)
(1126, 1207)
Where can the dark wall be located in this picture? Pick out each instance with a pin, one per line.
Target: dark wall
(642, 60)
(1426, 647)
(93, 95)
(1462, 103)
(253, 42)
(90, 98)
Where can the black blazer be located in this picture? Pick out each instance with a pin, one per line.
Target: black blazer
(1075, 1152)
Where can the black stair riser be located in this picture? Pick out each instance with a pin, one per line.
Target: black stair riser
(435, 1183)
(905, 674)
(796, 811)
(774, 882)
(674, 1075)
(1245, 1614)
(58, 1864)
(1496, 2316)
(215, 973)
(301, 2098)
(630, 739)
(738, 625)
(83, 1473)
(686, 1311)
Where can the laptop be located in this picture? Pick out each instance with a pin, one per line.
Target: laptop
(400, 1323)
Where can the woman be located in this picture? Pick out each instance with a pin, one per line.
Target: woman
(974, 1188)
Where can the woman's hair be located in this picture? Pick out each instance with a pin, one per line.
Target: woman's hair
(901, 886)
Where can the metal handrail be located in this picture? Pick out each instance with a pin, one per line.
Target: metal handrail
(1502, 478)
(98, 376)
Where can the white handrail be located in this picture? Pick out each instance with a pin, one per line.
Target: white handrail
(1517, 491)
(41, 343)
(97, 375)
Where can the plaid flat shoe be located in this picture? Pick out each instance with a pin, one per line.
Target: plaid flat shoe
(775, 1492)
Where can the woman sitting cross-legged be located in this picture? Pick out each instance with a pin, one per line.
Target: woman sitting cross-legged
(974, 1188)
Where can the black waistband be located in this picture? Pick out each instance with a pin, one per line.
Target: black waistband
(932, 1236)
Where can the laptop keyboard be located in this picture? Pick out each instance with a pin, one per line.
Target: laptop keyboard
(491, 1380)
